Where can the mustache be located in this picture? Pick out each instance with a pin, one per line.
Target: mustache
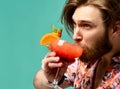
(79, 44)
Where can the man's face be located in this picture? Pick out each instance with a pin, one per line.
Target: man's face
(90, 33)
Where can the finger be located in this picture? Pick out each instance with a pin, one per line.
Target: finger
(50, 54)
(55, 65)
(49, 60)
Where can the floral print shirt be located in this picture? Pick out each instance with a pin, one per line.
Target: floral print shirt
(80, 76)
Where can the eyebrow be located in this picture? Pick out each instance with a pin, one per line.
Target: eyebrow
(84, 21)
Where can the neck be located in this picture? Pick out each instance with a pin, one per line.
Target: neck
(102, 66)
(101, 69)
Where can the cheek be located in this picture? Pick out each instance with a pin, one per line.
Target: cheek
(89, 40)
(91, 36)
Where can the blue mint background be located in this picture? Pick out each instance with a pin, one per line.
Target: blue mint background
(22, 23)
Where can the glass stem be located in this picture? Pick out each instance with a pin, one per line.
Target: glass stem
(55, 81)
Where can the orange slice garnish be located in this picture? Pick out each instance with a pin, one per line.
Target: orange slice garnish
(48, 38)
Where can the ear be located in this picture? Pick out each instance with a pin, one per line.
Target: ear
(116, 29)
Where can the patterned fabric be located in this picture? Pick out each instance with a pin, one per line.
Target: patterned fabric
(81, 76)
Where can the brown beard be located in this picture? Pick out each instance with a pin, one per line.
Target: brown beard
(101, 46)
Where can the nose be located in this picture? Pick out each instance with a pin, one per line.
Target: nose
(77, 34)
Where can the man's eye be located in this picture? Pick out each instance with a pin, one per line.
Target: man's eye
(85, 26)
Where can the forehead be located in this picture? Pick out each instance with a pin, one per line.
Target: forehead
(87, 13)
